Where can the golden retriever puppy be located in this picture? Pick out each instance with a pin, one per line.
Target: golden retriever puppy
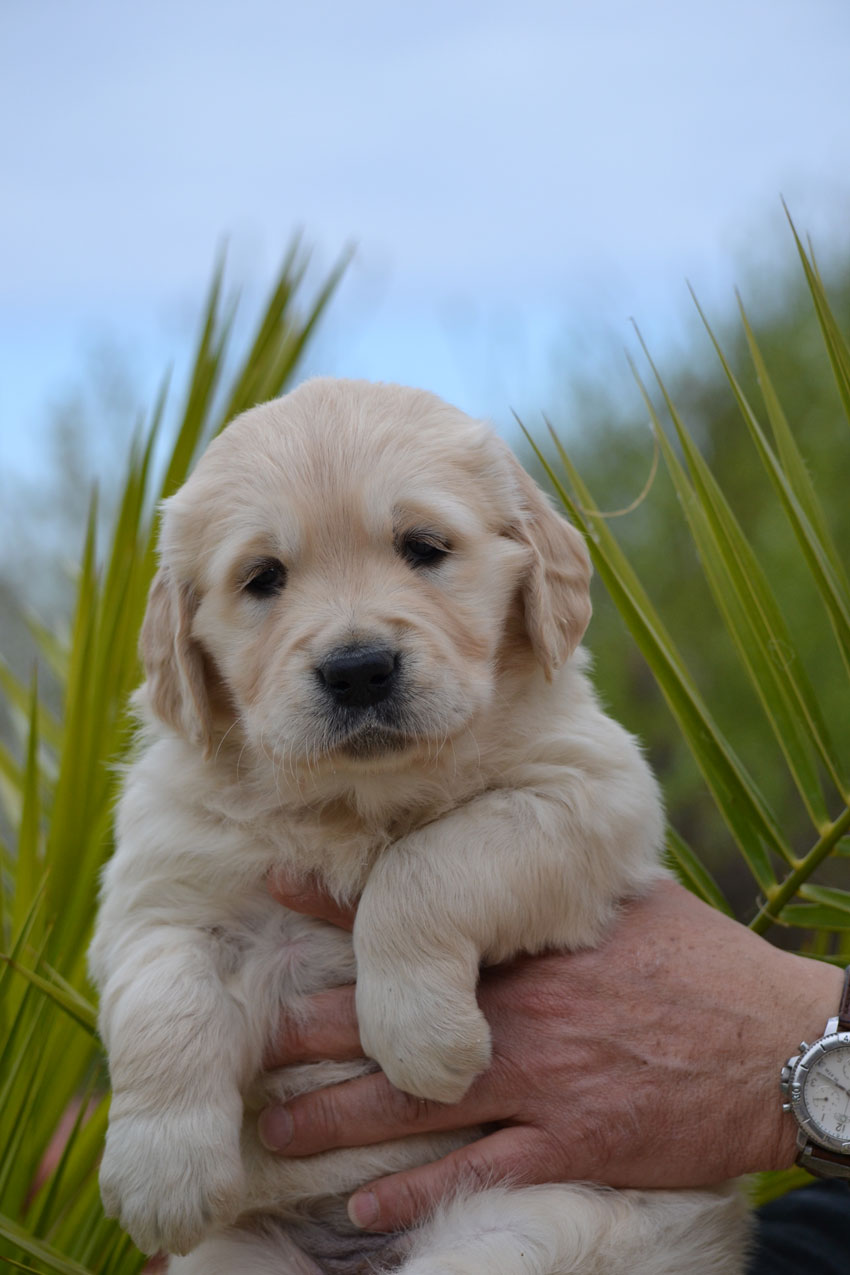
(362, 662)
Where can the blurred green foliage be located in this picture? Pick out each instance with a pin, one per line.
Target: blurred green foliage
(613, 449)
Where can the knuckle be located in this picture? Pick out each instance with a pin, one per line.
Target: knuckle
(314, 1120)
(292, 1034)
(549, 1156)
(288, 1042)
(410, 1198)
(477, 1172)
(405, 1109)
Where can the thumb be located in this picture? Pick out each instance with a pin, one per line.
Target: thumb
(520, 1155)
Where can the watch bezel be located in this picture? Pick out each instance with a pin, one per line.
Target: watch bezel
(797, 1092)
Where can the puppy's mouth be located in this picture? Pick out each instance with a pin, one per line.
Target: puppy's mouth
(369, 733)
(371, 741)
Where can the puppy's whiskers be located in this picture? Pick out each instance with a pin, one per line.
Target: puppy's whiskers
(287, 760)
(239, 759)
(471, 733)
(275, 768)
(224, 737)
(442, 742)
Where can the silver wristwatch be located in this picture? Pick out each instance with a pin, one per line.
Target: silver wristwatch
(816, 1084)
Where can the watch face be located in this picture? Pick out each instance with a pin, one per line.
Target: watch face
(823, 1076)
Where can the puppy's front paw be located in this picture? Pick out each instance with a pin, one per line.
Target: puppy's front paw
(432, 1047)
(171, 1179)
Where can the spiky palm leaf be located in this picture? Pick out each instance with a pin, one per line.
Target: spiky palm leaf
(58, 800)
(786, 892)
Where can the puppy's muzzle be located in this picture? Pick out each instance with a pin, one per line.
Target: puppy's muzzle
(359, 677)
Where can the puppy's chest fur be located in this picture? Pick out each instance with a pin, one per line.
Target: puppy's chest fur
(339, 839)
(292, 957)
(269, 957)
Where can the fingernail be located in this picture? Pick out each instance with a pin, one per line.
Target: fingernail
(363, 1208)
(275, 1128)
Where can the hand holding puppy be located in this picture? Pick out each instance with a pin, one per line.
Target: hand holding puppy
(651, 1061)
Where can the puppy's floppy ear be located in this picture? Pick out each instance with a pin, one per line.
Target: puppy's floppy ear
(174, 662)
(556, 586)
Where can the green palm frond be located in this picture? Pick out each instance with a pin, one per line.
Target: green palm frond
(57, 797)
(771, 661)
(796, 710)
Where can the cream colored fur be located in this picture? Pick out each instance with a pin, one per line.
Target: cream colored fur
(498, 811)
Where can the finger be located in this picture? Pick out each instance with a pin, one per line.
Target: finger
(304, 894)
(520, 1154)
(359, 1113)
(325, 1031)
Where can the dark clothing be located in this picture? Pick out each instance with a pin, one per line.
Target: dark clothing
(806, 1232)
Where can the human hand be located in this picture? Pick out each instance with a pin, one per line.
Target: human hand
(650, 1061)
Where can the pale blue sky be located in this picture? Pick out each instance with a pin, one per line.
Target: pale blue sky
(519, 178)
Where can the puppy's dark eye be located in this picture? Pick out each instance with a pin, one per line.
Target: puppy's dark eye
(423, 553)
(266, 578)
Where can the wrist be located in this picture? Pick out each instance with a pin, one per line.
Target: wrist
(814, 1000)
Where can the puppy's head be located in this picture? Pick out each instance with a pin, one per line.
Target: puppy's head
(346, 575)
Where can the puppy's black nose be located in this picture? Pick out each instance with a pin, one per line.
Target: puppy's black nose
(358, 676)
